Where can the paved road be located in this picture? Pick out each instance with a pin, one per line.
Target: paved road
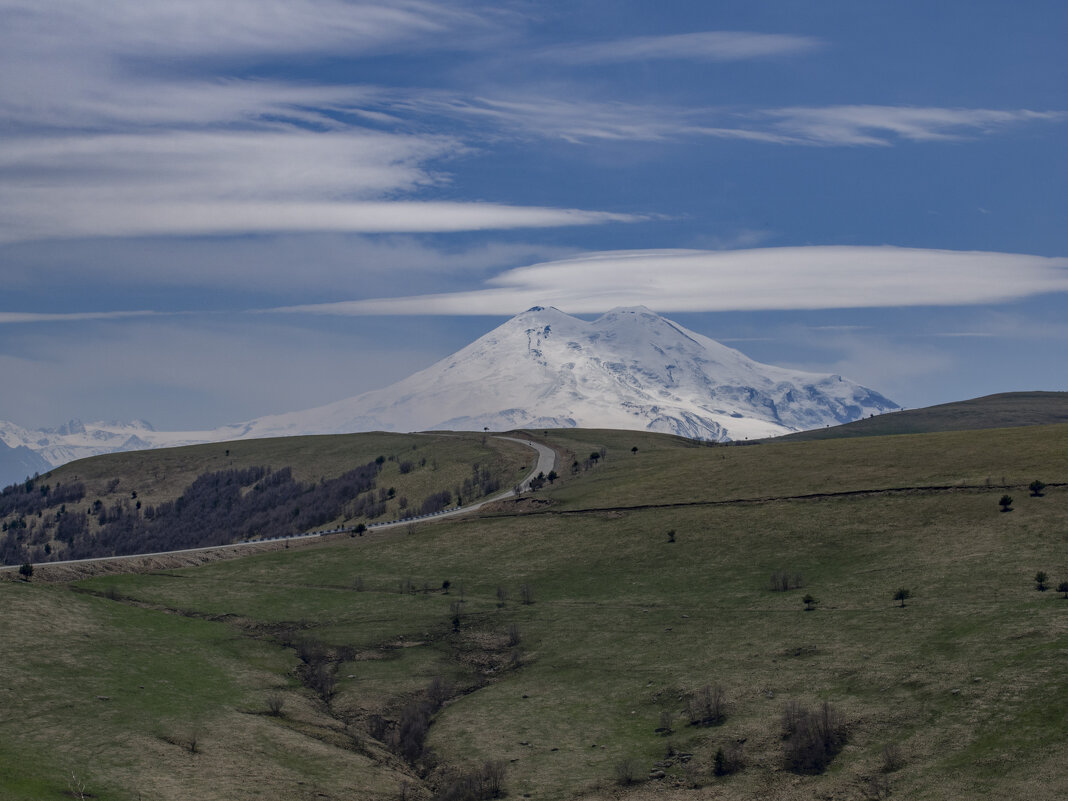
(546, 463)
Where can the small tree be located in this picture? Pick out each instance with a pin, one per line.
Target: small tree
(1063, 587)
(1040, 580)
(552, 476)
(809, 602)
(1036, 488)
(671, 535)
(526, 594)
(26, 571)
(634, 449)
(1006, 502)
(902, 595)
(594, 457)
(445, 586)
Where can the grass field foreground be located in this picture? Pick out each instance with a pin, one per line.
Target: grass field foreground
(568, 637)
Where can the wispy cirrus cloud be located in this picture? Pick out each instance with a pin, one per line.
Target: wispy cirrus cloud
(881, 125)
(98, 145)
(7, 318)
(742, 280)
(695, 46)
(584, 120)
(204, 27)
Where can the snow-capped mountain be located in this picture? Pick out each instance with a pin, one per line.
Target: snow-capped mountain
(629, 369)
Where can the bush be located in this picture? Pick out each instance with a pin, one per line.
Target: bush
(1005, 502)
(1063, 587)
(892, 758)
(26, 570)
(707, 706)
(627, 771)
(275, 704)
(728, 761)
(812, 738)
(1041, 577)
(474, 785)
(781, 581)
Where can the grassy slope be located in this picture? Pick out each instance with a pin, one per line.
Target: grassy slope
(991, 411)
(967, 679)
(163, 474)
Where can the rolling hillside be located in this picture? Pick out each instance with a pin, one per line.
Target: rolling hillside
(1004, 410)
(569, 652)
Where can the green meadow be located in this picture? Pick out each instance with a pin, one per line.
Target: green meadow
(576, 628)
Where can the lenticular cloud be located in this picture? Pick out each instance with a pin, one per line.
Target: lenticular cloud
(744, 280)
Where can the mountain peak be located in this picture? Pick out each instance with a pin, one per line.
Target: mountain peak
(628, 369)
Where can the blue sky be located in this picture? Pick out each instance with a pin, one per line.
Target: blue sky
(213, 211)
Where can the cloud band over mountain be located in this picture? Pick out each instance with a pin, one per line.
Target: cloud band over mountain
(760, 278)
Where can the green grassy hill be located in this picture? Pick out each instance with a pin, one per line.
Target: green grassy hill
(1007, 409)
(575, 638)
(413, 467)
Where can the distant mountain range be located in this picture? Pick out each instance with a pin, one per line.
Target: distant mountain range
(628, 369)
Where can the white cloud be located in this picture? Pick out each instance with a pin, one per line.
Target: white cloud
(34, 317)
(879, 125)
(588, 119)
(230, 182)
(742, 280)
(145, 154)
(697, 46)
(207, 28)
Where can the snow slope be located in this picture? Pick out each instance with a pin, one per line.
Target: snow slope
(629, 369)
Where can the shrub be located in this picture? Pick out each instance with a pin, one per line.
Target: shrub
(1063, 587)
(477, 784)
(1005, 502)
(707, 706)
(626, 771)
(892, 758)
(26, 570)
(781, 581)
(728, 761)
(1040, 580)
(1036, 488)
(812, 738)
(275, 704)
